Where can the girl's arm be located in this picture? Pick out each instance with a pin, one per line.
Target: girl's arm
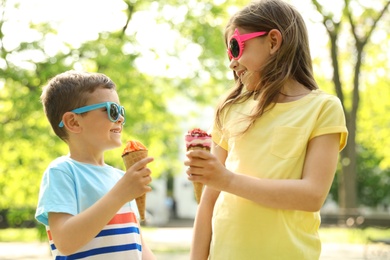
(307, 193)
(202, 231)
(147, 253)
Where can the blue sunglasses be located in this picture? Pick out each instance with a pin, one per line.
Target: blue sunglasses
(113, 111)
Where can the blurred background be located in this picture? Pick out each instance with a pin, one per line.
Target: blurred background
(169, 62)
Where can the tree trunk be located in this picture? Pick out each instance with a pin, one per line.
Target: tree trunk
(348, 176)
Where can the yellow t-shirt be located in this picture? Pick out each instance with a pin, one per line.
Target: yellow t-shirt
(274, 148)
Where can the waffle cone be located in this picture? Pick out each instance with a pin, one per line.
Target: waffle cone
(198, 187)
(129, 160)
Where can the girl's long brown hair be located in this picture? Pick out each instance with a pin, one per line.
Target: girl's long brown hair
(291, 61)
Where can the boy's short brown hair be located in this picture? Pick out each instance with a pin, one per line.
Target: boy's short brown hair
(68, 91)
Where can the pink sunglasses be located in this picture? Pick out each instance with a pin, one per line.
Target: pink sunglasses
(236, 43)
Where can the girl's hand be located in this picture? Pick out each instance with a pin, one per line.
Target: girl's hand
(205, 168)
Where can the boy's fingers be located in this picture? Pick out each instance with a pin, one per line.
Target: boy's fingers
(142, 163)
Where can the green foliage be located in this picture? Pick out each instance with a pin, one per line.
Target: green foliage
(27, 145)
(374, 121)
(145, 98)
(21, 217)
(372, 181)
(203, 26)
(361, 33)
(19, 235)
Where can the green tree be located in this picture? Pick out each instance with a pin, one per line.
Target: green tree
(28, 143)
(372, 180)
(361, 29)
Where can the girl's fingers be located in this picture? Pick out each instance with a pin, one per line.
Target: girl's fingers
(201, 154)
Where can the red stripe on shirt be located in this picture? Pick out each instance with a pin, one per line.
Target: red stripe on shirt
(49, 235)
(123, 218)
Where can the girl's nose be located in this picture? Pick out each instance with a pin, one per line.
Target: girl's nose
(233, 64)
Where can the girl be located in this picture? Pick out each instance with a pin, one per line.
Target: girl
(276, 143)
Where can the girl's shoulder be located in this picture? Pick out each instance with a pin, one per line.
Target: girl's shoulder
(320, 94)
(326, 99)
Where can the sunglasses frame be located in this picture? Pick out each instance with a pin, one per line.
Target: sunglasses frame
(240, 39)
(107, 105)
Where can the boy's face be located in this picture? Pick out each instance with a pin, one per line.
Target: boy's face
(97, 131)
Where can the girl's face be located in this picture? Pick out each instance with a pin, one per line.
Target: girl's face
(255, 54)
(99, 132)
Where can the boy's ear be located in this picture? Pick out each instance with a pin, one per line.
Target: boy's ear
(275, 39)
(71, 123)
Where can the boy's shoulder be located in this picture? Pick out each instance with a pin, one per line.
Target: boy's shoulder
(60, 162)
(65, 163)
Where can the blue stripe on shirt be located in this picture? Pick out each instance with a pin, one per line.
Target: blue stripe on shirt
(102, 250)
(112, 232)
(118, 231)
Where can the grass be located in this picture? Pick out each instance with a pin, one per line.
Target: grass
(32, 234)
(351, 235)
(19, 235)
(327, 234)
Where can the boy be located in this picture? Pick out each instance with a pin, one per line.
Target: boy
(86, 205)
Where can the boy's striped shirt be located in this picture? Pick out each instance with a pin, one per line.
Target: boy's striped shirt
(119, 239)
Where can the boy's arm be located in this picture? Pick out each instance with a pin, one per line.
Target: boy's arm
(70, 232)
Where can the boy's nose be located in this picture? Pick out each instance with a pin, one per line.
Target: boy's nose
(121, 120)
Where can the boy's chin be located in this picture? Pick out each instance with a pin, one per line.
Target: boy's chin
(116, 144)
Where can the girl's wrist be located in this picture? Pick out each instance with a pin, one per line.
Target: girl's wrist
(228, 180)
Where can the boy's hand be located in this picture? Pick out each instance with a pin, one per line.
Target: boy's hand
(135, 181)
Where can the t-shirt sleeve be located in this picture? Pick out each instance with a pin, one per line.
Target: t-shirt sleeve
(331, 120)
(218, 137)
(57, 194)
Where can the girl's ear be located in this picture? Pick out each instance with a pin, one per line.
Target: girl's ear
(275, 40)
(71, 123)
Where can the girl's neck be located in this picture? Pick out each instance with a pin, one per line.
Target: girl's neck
(292, 91)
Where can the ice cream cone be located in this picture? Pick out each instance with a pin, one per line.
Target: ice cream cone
(197, 139)
(198, 187)
(129, 159)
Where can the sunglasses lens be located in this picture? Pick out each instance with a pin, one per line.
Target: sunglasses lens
(234, 48)
(114, 112)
